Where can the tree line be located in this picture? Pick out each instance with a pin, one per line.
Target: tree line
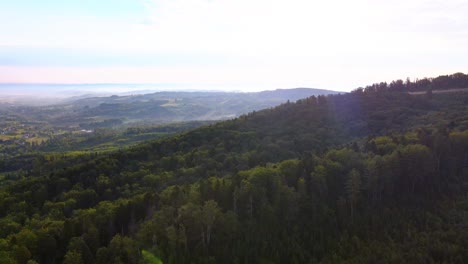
(366, 177)
(442, 82)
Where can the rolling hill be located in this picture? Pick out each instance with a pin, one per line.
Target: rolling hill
(373, 176)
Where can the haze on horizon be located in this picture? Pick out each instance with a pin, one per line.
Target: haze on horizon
(247, 45)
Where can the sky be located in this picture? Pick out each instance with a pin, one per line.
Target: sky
(247, 45)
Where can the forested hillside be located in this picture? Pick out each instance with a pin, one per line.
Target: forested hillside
(152, 108)
(374, 176)
(442, 82)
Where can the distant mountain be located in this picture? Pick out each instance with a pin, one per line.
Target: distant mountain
(295, 93)
(166, 107)
(278, 95)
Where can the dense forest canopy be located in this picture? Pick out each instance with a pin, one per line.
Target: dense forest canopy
(373, 176)
(443, 82)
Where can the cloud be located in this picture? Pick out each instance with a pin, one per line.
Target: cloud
(257, 42)
(305, 28)
(252, 27)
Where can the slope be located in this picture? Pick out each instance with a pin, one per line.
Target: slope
(361, 177)
(183, 106)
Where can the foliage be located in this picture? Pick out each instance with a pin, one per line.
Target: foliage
(366, 177)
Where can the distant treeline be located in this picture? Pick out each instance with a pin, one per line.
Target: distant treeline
(443, 82)
(102, 124)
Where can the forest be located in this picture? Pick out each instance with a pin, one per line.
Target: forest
(377, 175)
(442, 82)
(148, 109)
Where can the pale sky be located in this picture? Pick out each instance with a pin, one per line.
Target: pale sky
(232, 44)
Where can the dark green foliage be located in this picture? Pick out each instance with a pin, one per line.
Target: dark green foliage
(367, 177)
(443, 82)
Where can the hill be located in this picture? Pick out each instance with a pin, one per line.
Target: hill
(108, 123)
(163, 107)
(371, 176)
(154, 108)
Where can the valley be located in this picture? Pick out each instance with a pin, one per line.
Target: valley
(233, 132)
(375, 175)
